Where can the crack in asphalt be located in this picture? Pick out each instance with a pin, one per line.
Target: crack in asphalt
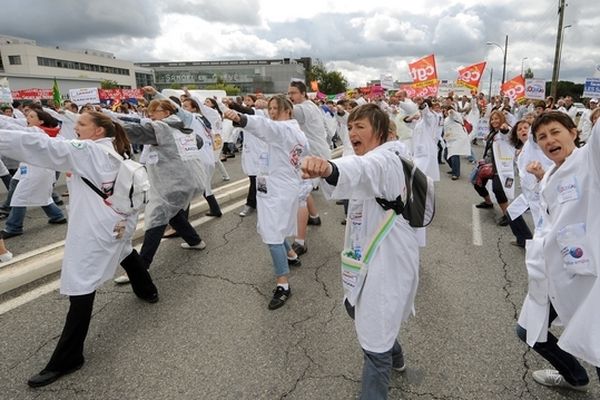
(317, 278)
(423, 394)
(506, 288)
(508, 283)
(224, 236)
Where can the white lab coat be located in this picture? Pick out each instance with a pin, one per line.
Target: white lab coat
(278, 180)
(387, 297)
(92, 249)
(570, 283)
(457, 139)
(310, 119)
(504, 159)
(530, 188)
(35, 183)
(342, 130)
(404, 130)
(253, 147)
(425, 144)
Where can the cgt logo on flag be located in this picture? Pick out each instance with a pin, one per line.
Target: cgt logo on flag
(515, 88)
(423, 71)
(471, 75)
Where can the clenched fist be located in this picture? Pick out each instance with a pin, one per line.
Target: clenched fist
(315, 167)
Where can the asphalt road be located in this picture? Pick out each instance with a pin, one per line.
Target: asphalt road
(211, 335)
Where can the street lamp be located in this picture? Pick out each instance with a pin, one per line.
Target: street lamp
(522, 60)
(504, 51)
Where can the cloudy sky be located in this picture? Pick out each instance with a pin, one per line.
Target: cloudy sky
(362, 39)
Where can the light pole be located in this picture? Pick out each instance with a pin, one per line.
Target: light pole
(504, 51)
(522, 60)
(562, 38)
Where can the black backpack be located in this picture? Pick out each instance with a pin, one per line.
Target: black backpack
(420, 205)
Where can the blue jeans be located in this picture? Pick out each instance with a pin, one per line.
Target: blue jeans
(563, 362)
(279, 256)
(377, 368)
(454, 163)
(11, 189)
(14, 223)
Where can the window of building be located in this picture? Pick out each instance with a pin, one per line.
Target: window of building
(14, 60)
(51, 62)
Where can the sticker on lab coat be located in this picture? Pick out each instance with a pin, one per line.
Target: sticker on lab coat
(152, 158)
(568, 190)
(119, 229)
(78, 144)
(575, 250)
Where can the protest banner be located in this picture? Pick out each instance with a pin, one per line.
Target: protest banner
(84, 96)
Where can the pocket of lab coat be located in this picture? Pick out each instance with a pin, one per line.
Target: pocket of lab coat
(576, 250)
(536, 270)
(354, 273)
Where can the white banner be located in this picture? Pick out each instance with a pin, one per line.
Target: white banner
(535, 89)
(387, 81)
(84, 96)
(591, 88)
(5, 96)
(450, 86)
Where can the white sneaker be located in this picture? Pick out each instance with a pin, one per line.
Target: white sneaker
(402, 368)
(6, 257)
(551, 377)
(226, 179)
(199, 246)
(246, 211)
(121, 280)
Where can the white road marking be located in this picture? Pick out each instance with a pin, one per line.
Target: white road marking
(54, 285)
(477, 239)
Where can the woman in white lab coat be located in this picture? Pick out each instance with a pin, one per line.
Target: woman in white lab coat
(35, 183)
(98, 238)
(277, 184)
(563, 258)
(176, 175)
(389, 289)
(457, 139)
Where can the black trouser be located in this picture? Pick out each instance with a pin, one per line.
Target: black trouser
(564, 362)
(496, 187)
(69, 349)
(520, 229)
(251, 198)
(153, 236)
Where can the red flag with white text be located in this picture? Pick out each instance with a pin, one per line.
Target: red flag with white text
(471, 75)
(515, 88)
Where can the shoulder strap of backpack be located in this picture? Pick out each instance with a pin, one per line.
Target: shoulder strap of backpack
(398, 205)
(110, 151)
(94, 188)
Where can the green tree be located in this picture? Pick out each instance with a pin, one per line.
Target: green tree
(231, 90)
(175, 86)
(330, 82)
(109, 84)
(528, 74)
(567, 88)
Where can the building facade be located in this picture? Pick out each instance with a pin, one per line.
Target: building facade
(251, 76)
(27, 65)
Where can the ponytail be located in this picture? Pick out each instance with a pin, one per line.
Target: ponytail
(121, 142)
(113, 130)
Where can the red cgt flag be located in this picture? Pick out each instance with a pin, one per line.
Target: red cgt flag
(515, 88)
(471, 75)
(424, 72)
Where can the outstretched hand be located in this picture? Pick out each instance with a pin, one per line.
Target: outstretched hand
(315, 167)
(232, 115)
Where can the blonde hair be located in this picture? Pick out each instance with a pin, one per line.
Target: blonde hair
(164, 104)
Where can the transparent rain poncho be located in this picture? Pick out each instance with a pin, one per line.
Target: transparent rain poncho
(174, 167)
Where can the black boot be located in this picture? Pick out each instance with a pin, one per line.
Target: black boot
(215, 210)
(141, 282)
